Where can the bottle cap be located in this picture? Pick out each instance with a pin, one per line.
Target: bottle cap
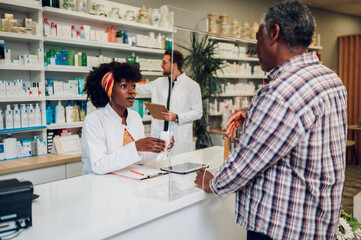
(73, 27)
(52, 24)
(82, 28)
(45, 20)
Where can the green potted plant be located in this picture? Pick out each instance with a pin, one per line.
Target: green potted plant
(202, 66)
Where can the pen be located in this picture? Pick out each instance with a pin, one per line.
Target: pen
(137, 172)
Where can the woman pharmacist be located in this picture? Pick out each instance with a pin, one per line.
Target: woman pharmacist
(113, 135)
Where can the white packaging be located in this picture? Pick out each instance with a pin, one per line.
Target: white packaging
(10, 148)
(59, 30)
(19, 150)
(7, 54)
(16, 114)
(37, 115)
(31, 115)
(69, 113)
(40, 54)
(76, 60)
(2, 89)
(87, 32)
(34, 91)
(24, 116)
(2, 154)
(98, 35)
(26, 145)
(9, 90)
(166, 136)
(58, 88)
(59, 113)
(9, 117)
(1, 119)
(92, 35)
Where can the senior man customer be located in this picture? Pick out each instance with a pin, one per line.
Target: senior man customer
(288, 168)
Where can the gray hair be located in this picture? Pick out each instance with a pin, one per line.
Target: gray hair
(296, 23)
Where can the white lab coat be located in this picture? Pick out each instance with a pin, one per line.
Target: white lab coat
(102, 141)
(186, 101)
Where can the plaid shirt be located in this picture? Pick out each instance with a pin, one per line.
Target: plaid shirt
(288, 168)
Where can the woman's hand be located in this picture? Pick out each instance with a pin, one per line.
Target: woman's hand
(235, 121)
(150, 144)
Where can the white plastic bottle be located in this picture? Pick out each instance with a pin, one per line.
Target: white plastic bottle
(46, 28)
(69, 112)
(59, 113)
(9, 122)
(16, 114)
(24, 116)
(1, 119)
(31, 115)
(53, 30)
(73, 32)
(37, 115)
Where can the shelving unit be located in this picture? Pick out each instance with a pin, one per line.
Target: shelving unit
(19, 37)
(98, 45)
(92, 19)
(81, 97)
(21, 44)
(32, 68)
(241, 77)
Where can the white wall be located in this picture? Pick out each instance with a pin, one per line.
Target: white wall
(329, 24)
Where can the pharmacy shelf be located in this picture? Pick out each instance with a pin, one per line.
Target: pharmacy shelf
(22, 99)
(232, 40)
(21, 68)
(72, 69)
(54, 126)
(64, 68)
(315, 47)
(98, 45)
(151, 73)
(248, 59)
(92, 19)
(81, 97)
(242, 76)
(17, 130)
(143, 96)
(20, 6)
(215, 114)
(147, 119)
(19, 37)
(235, 94)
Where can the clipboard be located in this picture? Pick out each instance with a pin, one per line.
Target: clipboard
(156, 110)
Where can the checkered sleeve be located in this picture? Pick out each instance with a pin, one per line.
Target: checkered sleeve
(272, 129)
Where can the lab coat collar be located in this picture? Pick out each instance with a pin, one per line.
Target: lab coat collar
(178, 78)
(115, 115)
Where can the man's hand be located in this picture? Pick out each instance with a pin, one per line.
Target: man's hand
(170, 146)
(169, 116)
(207, 178)
(235, 121)
(150, 144)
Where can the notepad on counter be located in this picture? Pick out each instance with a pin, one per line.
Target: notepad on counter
(139, 172)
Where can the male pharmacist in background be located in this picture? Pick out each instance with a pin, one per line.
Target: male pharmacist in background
(288, 169)
(183, 97)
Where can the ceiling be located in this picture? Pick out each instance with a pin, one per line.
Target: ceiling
(351, 7)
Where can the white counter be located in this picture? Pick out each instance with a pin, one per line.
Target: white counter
(107, 206)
